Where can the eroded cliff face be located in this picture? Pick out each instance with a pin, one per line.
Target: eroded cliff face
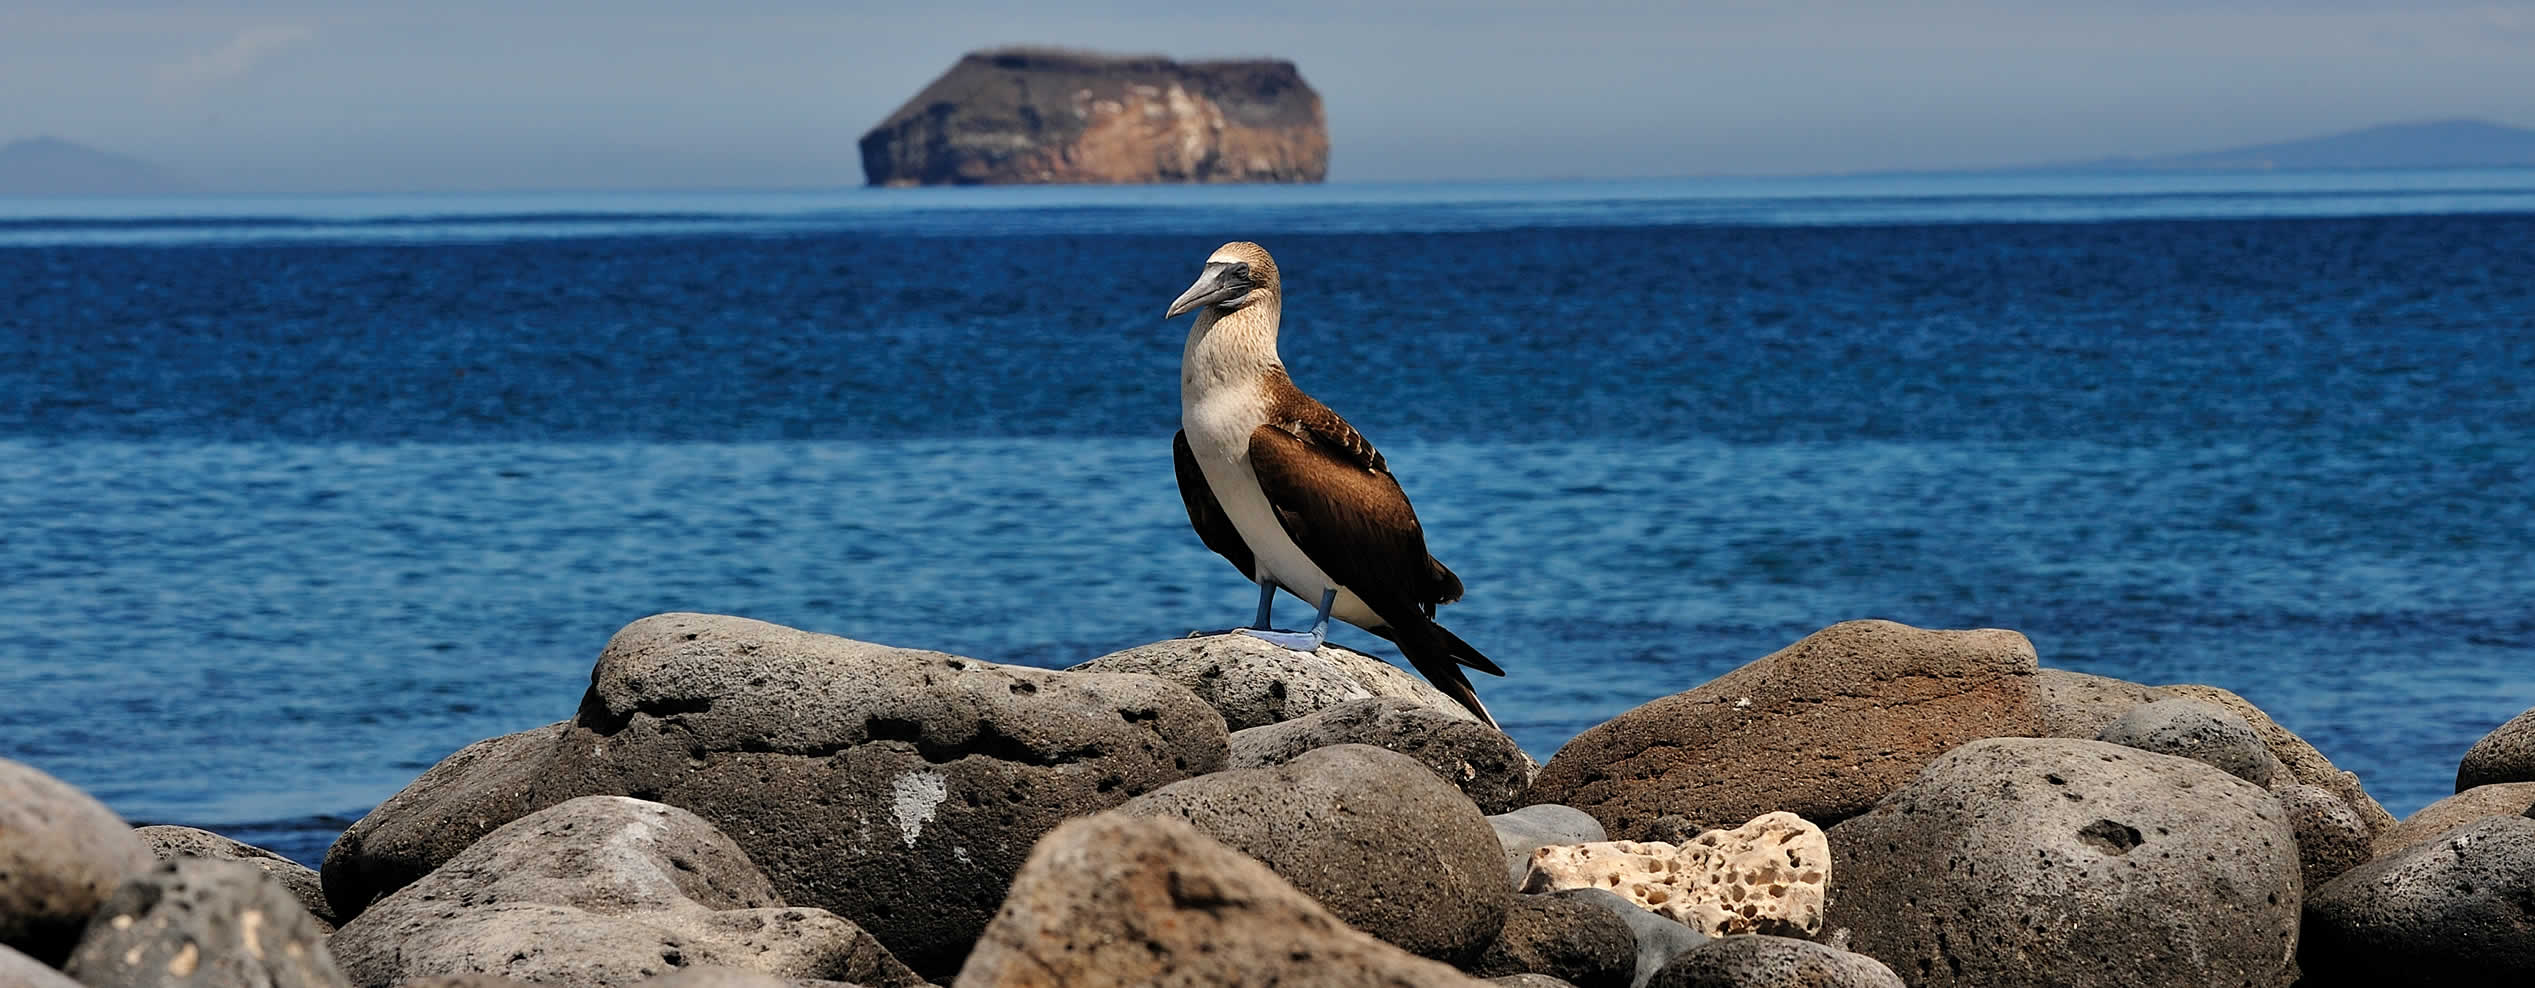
(1046, 117)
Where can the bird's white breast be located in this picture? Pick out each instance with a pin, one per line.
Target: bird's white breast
(1219, 421)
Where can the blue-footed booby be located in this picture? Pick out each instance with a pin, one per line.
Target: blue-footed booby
(1291, 494)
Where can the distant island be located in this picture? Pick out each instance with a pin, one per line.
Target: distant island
(1027, 116)
(2435, 144)
(46, 166)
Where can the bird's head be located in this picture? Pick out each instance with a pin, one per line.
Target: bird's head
(1237, 274)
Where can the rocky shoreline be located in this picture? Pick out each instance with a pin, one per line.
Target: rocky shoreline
(737, 803)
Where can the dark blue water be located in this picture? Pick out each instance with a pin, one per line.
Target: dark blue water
(291, 508)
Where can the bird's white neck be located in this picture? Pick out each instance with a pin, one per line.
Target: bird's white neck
(1227, 352)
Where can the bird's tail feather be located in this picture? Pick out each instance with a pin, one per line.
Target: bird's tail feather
(1439, 655)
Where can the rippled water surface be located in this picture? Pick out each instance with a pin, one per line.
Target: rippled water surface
(296, 498)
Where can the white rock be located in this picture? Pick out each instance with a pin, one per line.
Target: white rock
(1766, 876)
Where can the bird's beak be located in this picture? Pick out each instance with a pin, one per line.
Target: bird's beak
(1221, 282)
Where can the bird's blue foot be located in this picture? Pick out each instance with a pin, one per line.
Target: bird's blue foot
(1300, 641)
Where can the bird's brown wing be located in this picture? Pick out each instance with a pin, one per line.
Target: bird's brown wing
(1205, 514)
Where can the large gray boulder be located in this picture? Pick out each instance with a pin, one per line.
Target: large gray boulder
(2507, 754)
(1762, 961)
(2075, 863)
(2202, 732)
(2494, 799)
(1822, 728)
(897, 788)
(1522, 831)
(1113, 901)
(1254, 683)
(170, 843)
(1578, 942)
(1380, 841)
(603, 891)
(1659, 938)
(17, 970)
(1480, 760)
(61, 854)
(203, 923)
(2457, 909)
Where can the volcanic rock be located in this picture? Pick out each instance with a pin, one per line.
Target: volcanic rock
(1112, 900)
(897, 788)
(1536, 826)
(2074, 863)
(1253, 683)
(1480, 760)
(1659, 940)
(1766, 876)
(1822, 728)
(2455, 909)
(1773, 962)
(2331, 838)
(1575, 941)
(1375, 837)
(2081, 705)
(2305, 765)
(603, 890)
(300, 880)
(1035, 116)
(203, 923)
(61, 854)
(2496, 799)
(17, 970)
(2507, 754)
(2199, 731)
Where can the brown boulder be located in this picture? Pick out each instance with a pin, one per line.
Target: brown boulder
(1373, 835)
(2331, 838)
(1480, 760)
(1037, 116)
(2496, 799)
(2507, 754)
(61, 854)
(1110, 901)
(1822, 728)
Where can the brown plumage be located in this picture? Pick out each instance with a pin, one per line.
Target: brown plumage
(1327, 488)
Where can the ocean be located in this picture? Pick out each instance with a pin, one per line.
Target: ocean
(298, 496)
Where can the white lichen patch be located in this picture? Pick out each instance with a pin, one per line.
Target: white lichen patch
(1766, 876)
(912, 800)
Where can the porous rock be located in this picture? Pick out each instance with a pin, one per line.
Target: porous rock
(2081, 705)
(61, 854)
(2496, 799)
(1380, 841)
(2331, 838)
(2305, 765)
(1659, 939)
(1821, 728)
(2076, 863)
(603, 890)
(1773, 962)
(1530, 981)
(897, 788)
(2455, 909)
(1480, 760)
(1522, 831)
(716, 976)
(300, 880)
(2507, 754)
(2202, 732)
(17, 970)
(1114, 900)
(1766, 876)
(1253, 683)
(203, 923)
(1577, 942)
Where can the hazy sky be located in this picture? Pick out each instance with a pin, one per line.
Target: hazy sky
(290, 94)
